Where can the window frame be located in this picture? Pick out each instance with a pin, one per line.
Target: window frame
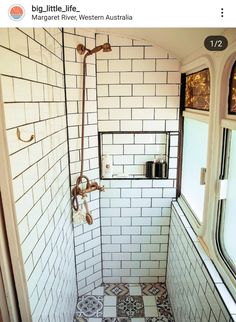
(220, 258)
(199, 115)
(221, 204)
(226, 121)
(219, 118)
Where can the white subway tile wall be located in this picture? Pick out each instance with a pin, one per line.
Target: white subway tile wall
(87, 238)
(31, 69)
(137, 83)
(140, 92)
(195, 294)
(134, 82)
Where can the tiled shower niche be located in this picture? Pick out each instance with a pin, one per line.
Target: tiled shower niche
(128, 153)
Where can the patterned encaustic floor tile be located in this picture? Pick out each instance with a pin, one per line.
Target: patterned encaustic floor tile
(122, 319)
(130, 306)
(89, 306)
(165, 310)
(116, 289)
(157, 289)
(159, 319)
(125, 303)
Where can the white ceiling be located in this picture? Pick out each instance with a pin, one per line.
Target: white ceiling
(181, 42)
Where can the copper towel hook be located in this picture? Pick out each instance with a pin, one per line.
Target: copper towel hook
(19, 136)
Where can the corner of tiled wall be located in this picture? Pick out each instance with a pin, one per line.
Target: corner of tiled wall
(31, 69)
(87, 238)
(133, 88)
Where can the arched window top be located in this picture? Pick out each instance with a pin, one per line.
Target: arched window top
(232, 91)
(197, 90)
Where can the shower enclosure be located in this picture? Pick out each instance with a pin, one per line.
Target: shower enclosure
(65, 97)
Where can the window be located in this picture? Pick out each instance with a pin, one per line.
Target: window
(194, 159)
(195, 141)
(228, 219)
(209, 153)
(227, 215)
(197, 90)
(232, 91)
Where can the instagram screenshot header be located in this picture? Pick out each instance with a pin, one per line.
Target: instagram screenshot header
(130, 13)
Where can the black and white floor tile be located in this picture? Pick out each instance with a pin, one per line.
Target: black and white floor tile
(125, 303)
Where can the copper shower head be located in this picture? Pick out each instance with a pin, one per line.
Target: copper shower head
(105, 48)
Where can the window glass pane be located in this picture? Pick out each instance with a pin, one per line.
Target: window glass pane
(194, 158)
(229, 215)
(197, 91)
(232, 91)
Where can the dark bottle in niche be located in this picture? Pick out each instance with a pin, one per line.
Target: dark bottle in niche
(157, 168)
(149, 169)
(161, 168)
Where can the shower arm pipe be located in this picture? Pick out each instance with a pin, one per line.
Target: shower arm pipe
(83, 111)
(81, 50)
(77, 190)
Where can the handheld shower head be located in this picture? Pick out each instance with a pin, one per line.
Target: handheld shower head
(105, 48)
